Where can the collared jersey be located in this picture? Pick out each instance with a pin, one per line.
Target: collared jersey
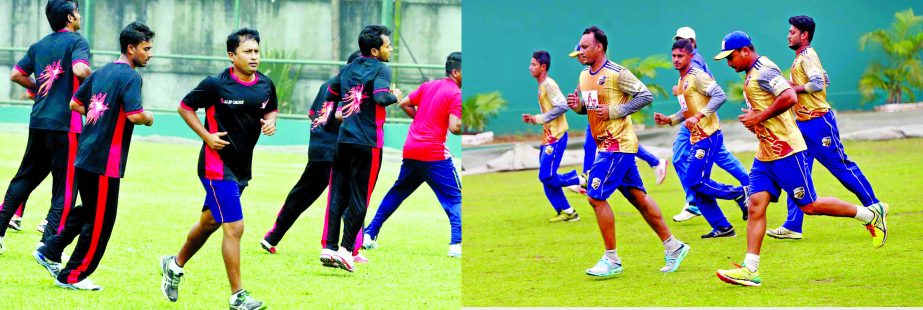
(779, 136)
(52, 60)
(810, 105)
(694, 86)
(611, 85)
(109, 95)
(549, 96)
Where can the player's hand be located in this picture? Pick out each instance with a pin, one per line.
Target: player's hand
(573, 100)
(214, 140)
(397, 93)
(675, 90)
(528, 119)
(691, 122)
(269, 127)
(602, 112)
(338, 115)
(749, 119)
(149, 116)
(661, 119)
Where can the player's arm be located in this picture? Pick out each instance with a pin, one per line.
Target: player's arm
(716, 98)
(141, 118)
(574, 103)
(559, 106)
(22, 71)
(455, 123)
(80, 96)
(816, 80)
(455, 114)
(771, 81)
(640, 96)
(81, 70)
(76, 106)
(383, 94)
(81, 55)
(131, 97)
(269, 123)
(408, 107)
(201, 97)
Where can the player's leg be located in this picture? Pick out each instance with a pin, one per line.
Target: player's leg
(232, 223)
(792, 227)
(310, 186)
(101, 198)
(49, 254)
(698, 176)
(727, 161)
(550, 156)
(700, 161)
(443, 179)
(63, 191)
(32, 171)
(366, 163)
(589, 150)
(681, 149)
(16, 221)
(412, 174)
(832, 154)
(337, 200)
(230, 251)
(606, 175)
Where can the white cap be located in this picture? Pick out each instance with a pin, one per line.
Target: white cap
(684, 33)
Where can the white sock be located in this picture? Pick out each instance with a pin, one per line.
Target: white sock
(175, 267)
(752, 261)
(864, 215)
(613, 256)
(671, 245)
(568, 210)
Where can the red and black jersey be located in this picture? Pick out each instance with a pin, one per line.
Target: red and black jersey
(324, 131)
(355, 88)
(52, 59)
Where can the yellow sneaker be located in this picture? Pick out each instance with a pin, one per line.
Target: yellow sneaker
(740, 276)
(877, 227)
(564, 217)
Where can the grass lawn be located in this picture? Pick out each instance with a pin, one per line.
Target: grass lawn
(514, 257)
(161, 198)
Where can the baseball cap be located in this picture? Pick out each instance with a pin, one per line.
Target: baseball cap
(731, 42)
(684, 33)
(575, 52)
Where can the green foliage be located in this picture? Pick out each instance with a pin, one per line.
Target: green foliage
(902, 72)
(285, 77)
(646, 70)
(479, 108)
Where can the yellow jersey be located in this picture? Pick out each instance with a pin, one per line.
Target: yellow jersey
(779, 136)
(806, 67)
(611, 85)
(694, 86)
(549, 96)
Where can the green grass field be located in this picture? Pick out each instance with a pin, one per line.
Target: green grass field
(516, 258)
(161, 198)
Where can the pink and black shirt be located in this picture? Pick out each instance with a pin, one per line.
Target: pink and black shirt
(51, 59)
(356, 89)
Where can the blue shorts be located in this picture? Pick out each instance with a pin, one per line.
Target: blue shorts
(611, 171)
(791, 174)
(223, 199)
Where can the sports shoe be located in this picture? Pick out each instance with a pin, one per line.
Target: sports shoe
(358, 258)
(242, 301)
(742, 202)
(326, 258)
(15, 223)
(576, 188)
(661, 171)
(604, 268)
(784, 233)
(877, 227)
(268, 247)
(740, 276)
(53, 267)
(170, 284)
(85, 285)
(41, 226)
(344, 260)
(368, 242)
(583, 177)
(674, 259)
(720, 232)
(685, 215)
(565, 217)
(455, 250)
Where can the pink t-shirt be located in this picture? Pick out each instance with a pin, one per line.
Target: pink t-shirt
(435, 101)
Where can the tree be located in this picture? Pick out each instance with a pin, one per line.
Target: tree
(285, 76)
(646, 70)
(902, 73)
(478, 109)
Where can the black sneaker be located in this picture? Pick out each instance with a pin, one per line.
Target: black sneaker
(742, 202)
(721, 232)
(170, 284)
(243, 301)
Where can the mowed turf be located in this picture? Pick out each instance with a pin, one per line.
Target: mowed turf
(516, 258)
(161, 198)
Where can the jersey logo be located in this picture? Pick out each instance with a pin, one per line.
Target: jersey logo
(353, 99)
(51, 73)
(321, 119)
(596, 183)
(590, 99)
(223, 101)
(826, 141)
(798, 192)
(602, 80)
(549, 150)
(700, 153)
(97, 108)
(263, 105)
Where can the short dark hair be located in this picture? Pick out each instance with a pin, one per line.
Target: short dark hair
(57, 11)
(543, 58)
(803, 23)
(453, 62)
(599, 35)
(134, 34)
(241, 35)
(352, 57)
(370, 38)
(683, 44)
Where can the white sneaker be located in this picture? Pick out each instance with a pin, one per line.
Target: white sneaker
(604, 268)
(368, 243)
(684, 215)
(661, 171)
(85, 285)
(41, 226)
(784, 233)
(360, 259)
(455, 250)
(344, 260)
(326, 258)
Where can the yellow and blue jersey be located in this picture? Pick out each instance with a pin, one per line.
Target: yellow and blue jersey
(807, 69)
(549, 96)
(612, 85)
(779, 136)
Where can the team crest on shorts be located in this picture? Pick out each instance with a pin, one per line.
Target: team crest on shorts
(826, 141)
(700, 153)
(549, 150)
(798, 193)
(602, 80)
(596, 183)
